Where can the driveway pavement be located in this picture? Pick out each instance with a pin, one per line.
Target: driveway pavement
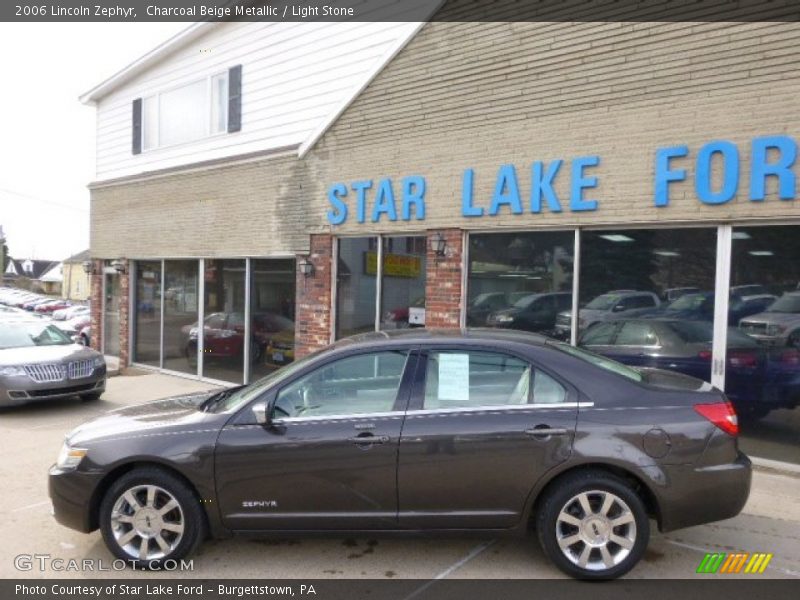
(31, 437)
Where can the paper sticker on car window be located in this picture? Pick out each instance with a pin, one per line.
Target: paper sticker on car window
(454, 377)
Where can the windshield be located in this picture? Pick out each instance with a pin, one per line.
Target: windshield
(526, 301)
(599, 361)
(242, 395)
(788, 303)
(687, 302)
(604, 302)
(25, 335)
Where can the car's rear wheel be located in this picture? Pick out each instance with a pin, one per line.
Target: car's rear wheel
(149, 516)
(593, 525)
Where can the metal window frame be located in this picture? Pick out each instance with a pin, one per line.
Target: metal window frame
(247, 324)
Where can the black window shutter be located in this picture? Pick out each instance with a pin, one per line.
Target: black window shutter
(234, 98)
(137, 126)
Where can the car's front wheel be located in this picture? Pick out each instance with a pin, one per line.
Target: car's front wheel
(149, 516)
(593, 525)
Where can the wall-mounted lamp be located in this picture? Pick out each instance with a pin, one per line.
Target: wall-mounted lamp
(88, 267)
(438, 245)
(119, 265)
(306, 267)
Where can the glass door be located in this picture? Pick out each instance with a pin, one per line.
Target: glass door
(111, 299)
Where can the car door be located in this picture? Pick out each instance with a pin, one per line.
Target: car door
(541, 314)
(482, 427)
(328, 459)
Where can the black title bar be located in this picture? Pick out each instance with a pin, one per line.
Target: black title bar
(399, 10)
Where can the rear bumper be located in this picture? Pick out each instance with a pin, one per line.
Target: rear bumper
(697, 495)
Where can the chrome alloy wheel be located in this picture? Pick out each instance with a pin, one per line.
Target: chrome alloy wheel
(596, 530)
(147, 522)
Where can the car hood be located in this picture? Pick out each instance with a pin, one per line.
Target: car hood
(773, 317)
(45, 354)
(670, 380)
(179, 413)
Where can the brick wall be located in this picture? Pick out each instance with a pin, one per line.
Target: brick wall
(313, 313)
(443, 284)
(96, 300)
(124, 316)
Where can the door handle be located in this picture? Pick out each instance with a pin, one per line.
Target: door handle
(369, 439)
(542, 432)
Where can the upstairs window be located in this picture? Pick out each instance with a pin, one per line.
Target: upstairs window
(203, 108)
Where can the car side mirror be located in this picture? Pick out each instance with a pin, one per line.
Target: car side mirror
(263, 413)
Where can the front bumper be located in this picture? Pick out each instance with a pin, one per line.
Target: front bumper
(695, 495)
(22, 389)
(71, 493)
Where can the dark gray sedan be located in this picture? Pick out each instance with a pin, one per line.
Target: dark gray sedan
(38, 361)
(476, 431)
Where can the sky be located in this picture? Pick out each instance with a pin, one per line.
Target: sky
(47, 146)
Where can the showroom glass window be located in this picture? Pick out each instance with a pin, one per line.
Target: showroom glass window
(147, 313)
(402, 282)
(762, 371)
(272, 315)
(356, 285)
(180, 315)
(223, 323)
(520, 280)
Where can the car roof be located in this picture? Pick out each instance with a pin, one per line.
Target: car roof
(427, 335)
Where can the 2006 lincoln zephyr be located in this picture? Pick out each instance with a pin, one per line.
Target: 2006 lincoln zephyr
(420, 431)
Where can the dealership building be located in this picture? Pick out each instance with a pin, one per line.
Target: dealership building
(627, 186)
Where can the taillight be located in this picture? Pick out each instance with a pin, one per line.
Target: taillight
(720, 414)
(742, 359)
(704, 354)
(790, 357)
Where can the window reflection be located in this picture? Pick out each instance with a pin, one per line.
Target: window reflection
(519, 280)
(356, 286)
(272, 310)
(147, 318)
(765, 269)
(180, 314)
(223, 325)
(403, 282)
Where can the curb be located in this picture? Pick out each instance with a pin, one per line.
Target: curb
(775, 466)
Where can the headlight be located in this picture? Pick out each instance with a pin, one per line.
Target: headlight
(99, 361)
(775, 329)
(12, 371)
(504, 319)
(69, 458)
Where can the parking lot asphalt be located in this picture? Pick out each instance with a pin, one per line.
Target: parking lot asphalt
(32, 435)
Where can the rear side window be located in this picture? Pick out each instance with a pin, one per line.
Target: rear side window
(599, 334)
(636, 334)
(472, 379)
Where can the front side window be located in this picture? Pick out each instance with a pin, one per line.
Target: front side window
(186, 113)
(367, 383)
(474, 379)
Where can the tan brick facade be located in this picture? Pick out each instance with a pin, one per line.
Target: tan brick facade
(482, 95)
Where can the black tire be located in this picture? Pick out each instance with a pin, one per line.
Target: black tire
(93, 397)
(192, 516)
(596, 484)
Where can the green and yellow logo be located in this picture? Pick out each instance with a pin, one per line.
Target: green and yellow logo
(737, 562)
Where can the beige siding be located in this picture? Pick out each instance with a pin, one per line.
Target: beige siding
(484, 94)
(246, 209)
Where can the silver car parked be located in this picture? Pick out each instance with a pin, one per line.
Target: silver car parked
(779, 325)
(38, 361)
